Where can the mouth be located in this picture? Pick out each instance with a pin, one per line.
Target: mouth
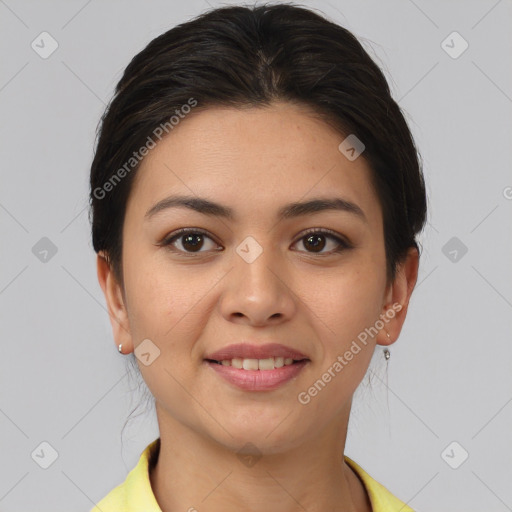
(267, 364)
(275, 353)
(256, 366)
(257, 374)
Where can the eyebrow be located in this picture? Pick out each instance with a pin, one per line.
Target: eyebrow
(291, 210)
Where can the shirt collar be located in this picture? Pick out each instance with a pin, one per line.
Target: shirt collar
(139, 494)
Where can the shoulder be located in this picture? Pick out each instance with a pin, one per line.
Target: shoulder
(135, 493)
(381, 499)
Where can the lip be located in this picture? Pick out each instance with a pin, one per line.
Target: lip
(258, 380)
(251, 351)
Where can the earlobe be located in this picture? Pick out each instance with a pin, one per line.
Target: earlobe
(398, 297)
(115, 303)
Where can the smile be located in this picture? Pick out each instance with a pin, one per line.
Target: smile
(269, 363)
(257, 374)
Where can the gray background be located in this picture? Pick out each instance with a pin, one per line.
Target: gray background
(450, 373)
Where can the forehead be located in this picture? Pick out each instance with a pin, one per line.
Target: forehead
(255, 156)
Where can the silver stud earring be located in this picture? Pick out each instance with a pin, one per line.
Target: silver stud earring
(120, 348)
(387, 354)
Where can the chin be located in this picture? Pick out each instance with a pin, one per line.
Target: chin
(261, 437)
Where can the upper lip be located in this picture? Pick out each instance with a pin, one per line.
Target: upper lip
(250, 351)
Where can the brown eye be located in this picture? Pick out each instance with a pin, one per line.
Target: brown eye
(190, 240)
(316, 240)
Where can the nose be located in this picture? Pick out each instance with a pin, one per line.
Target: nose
(258, 292)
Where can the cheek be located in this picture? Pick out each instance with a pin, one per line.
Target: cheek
(344, 307)
(165, 302)
(346, 299)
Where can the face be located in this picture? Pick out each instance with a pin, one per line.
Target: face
(312, 281)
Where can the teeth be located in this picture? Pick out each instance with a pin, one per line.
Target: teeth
(278, 362)
(258, 364)
(250, 364)
(265, 364)
(237, 363)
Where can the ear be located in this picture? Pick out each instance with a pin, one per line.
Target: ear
(398, 294)
(115, 303)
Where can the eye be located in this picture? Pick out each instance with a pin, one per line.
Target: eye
(314, 238)
(192, 240)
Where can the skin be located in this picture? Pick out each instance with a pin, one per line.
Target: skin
(254, 161)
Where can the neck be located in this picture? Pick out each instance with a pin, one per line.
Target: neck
(194, 472)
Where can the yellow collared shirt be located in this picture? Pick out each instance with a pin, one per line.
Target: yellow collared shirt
(136, 495)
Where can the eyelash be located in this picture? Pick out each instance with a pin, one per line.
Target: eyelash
(342, 243)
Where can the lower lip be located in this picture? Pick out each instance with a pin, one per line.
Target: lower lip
(258, 380)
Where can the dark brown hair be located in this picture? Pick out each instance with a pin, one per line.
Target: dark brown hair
(248, 57)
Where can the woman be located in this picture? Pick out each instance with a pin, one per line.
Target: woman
(256, 194)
